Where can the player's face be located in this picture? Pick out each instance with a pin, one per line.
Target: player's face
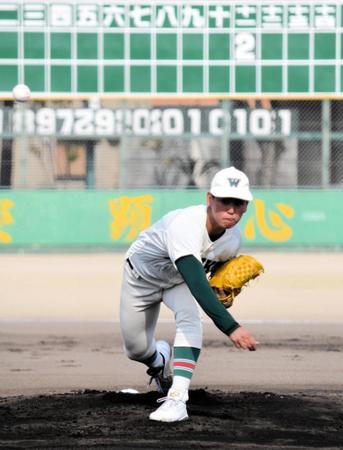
(225, 212)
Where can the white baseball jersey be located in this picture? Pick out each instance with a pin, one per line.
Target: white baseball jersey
(179, 233)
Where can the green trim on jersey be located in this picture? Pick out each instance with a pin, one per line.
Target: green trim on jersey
(194, 275)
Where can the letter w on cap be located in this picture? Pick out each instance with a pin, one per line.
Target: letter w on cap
(234, 182)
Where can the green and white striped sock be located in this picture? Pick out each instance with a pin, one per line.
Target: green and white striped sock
(184, 362)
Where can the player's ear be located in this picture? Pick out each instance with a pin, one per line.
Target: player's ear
(209, 197)
(245, 207)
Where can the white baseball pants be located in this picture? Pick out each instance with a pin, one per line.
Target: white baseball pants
(139, 310)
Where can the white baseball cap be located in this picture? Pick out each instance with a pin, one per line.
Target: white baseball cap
(231, 182)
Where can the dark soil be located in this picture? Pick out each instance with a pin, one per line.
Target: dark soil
(218, 420)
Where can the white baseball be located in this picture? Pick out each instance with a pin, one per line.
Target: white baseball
(21, 93)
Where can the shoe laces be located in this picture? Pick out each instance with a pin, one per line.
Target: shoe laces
(170, 402)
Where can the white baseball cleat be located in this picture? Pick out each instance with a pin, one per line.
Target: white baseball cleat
(161, 375)
(173, 408)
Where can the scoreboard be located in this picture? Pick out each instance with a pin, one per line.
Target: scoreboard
(225, 49)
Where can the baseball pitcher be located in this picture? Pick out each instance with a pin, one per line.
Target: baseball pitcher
(173, 262)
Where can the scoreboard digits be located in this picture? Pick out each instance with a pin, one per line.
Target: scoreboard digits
(172, 48)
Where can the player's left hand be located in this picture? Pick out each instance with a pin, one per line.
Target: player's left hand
(229, 279)
(243, 339)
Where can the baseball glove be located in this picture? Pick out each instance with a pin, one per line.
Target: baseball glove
(229, 279)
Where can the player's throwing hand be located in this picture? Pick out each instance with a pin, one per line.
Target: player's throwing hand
(243, 339)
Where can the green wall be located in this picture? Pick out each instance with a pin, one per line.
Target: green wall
(112, 219)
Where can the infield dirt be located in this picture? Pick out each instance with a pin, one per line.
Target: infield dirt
(241, 420)
(61, 378)
(61, 388)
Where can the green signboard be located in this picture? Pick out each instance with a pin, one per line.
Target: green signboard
(113, 219)
(129, 48)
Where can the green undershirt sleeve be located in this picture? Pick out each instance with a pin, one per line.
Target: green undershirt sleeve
(194, 275)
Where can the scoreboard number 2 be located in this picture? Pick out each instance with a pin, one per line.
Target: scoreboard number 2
(245, 46)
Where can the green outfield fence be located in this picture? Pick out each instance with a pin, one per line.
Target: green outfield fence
(112, 219)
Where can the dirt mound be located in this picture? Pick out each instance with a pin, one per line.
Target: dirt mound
(218, 420)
